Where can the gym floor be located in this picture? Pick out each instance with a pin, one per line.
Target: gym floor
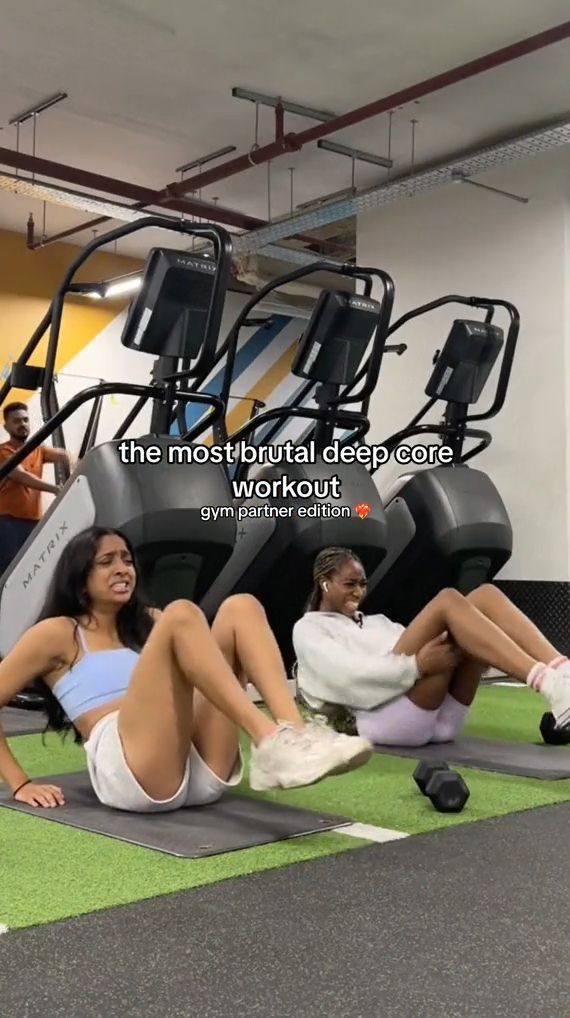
(450, 916)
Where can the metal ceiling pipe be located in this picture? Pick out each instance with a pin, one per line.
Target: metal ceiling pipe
(35, 245)
(294, 142)
(143, 196)
(71, 174)
(283, 144)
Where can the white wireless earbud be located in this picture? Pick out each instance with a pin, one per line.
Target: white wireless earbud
(325, 586)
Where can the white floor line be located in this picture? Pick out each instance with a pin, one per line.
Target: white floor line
(371, 833)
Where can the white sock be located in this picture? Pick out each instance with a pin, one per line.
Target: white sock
(540, 678)
(559, 662)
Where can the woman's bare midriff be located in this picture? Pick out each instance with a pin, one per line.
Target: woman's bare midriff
(86, 723)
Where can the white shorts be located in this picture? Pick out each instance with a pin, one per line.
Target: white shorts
(115, 785)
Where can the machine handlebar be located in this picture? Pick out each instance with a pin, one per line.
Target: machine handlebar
(106, 389)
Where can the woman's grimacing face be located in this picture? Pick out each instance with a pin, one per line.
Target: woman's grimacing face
(346, 589)
(112, 578)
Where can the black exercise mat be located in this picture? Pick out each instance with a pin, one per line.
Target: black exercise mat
(551, 763)
(233, 823)
(21, 722)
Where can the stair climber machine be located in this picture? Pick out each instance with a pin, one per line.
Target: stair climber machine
(306, 501)
(141, 487)
(447, 524)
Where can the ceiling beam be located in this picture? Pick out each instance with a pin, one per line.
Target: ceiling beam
(295, 142)
(144, 196)
(174, 194)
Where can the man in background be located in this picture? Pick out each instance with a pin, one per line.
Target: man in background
(20, 492)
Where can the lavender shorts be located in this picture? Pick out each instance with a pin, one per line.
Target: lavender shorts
(402, 723)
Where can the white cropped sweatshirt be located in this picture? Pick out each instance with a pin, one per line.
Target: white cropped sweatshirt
(350, 663)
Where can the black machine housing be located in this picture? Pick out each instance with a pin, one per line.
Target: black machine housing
(155, 497)
(336, 338)
(178, 552)
(447, 525)
(176, 310)
(274, 556)
(463, 367)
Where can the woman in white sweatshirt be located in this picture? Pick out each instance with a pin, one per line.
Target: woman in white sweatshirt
(410, 686)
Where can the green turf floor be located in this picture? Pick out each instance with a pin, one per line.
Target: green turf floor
(52, 872)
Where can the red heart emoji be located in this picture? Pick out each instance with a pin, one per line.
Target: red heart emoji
(362, 509)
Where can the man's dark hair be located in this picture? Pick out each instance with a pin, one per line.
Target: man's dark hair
(12, 408)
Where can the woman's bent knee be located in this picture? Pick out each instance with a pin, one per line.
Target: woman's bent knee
(182, 613)
(241, 604)
(246, 601)
(482, 595)
(449, 598)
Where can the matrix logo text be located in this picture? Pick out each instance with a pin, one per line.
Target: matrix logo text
(41, 560)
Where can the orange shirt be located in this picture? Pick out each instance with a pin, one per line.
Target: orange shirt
(15, 499)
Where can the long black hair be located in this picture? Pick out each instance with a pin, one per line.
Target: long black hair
(67, 596)
(327, 562)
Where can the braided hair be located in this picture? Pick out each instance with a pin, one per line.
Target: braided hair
(326, 563)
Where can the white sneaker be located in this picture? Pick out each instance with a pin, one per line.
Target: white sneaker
(346, 744)
(557, 693)
(295, 757)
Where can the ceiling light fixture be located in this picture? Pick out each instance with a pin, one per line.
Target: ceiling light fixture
(290, 107)
(206, 159)
(40, 107)
(120, 286)
(109, 287)
(355, 153)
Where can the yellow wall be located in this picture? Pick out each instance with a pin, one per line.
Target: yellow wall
(28, 281)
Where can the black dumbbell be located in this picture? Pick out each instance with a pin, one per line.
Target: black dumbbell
(447, 792)
(445, 789)
(425, 771)
(552, 735)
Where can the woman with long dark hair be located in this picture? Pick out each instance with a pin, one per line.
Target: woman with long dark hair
(410, 686)
(154, 696)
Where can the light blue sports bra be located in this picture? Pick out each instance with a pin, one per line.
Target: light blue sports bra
(98, 678)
